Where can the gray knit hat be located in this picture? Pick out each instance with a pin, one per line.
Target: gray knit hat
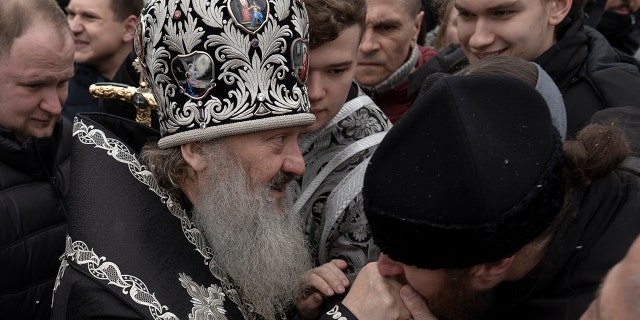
(224, 67)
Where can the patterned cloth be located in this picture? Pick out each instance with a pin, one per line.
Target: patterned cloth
(132, 251)
(329, 191)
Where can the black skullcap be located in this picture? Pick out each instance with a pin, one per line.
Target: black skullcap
(470, 174)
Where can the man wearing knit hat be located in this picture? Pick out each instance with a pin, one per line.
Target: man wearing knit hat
(477, 208)
(194, 223)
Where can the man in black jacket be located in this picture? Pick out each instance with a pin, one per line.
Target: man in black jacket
(590, 74)
(36, 62)
(617, 21)
(493, 218)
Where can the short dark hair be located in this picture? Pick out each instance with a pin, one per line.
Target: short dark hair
(414, 6)
(327, 18)
(17, 15)
(504, 65)
(124, 8)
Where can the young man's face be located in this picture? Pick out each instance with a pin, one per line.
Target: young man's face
(520, 28)
(332, 67)
(449, 294)
(391, 32)
(98, 36)
(34, 86)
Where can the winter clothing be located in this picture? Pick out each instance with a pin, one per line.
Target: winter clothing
(391, 95)
(475, 193)
(33, 185)
(501, 166)
(585, 247)
(590, 74)
(79, 98)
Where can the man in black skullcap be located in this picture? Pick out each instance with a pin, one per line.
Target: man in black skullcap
(479, 208)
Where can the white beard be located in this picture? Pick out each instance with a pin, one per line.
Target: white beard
(257, 240)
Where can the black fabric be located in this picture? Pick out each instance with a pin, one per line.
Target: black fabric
(593, 10)
(79, 98)
(122, 220)
(590, 74)
(589, 242)
(465, 175)
(338, 311)
(592, 236)
(33, 184)
(448, 60)
(621, 30)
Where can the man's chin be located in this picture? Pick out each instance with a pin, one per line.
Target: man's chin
(369, 77)
(39, 133)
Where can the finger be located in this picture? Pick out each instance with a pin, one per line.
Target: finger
(415, 304)
(309, 308)
(315, 282)
(341, 264)
(332, 276)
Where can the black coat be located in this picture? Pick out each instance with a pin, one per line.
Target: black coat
(79, 98)
(590, 74)
(33, 183)
(587, 245)
(132, 251)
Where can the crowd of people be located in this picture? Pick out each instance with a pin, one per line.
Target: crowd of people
(320, 159)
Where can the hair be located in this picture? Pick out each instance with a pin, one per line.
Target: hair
(504, 65)
(595, 151)
(122, 9)
(327, 18)
(441, 36)
(168, 165)
(16, 16)
(414, 6)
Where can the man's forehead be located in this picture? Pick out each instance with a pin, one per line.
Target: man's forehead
(489, 5)
(387, 7)
(90, 6)
(295, 130)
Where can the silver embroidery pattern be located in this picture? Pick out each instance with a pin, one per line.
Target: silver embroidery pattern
(252, 79)
(119, 151)
(92, 136)
(208, 303)
(335, 313)
(101, 269)
(61, 269)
